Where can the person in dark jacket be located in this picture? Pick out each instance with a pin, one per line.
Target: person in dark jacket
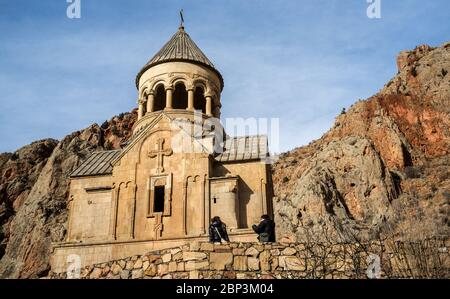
(218, 231)
(265, 229)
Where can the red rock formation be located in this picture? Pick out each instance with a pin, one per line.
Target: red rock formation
(408, 125)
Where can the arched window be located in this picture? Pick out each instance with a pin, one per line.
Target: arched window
(180, 96)
(199, 99)
(160, 98)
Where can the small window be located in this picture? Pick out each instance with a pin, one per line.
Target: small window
(158, 203)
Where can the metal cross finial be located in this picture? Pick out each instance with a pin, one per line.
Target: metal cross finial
(182, 19)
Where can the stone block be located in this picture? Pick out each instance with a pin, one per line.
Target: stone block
(124, 274)
(177, 256)
(115, 269)
(253, 264)
(163, 269)
(196, 265)
(264, 259)
(289, 251)
(220, 261)
(240, 263)
(173, 267)
(194, 246)
(275, 252)
(175, 251)
(193, 256)
(292, 263)
(137, 274)
(241, 276)
(222, 247)
(106, 270)
(274, 264)
(207, 246)
(96, 273)
(239, 251)
(166, 257)
(180, 275)
(229, 275)
(193, 275)
(151, 270)
(180, 267)
(261, 247)
(145, 265)
(252, 251)
(129, 265)
(138, 264)
(153, 258)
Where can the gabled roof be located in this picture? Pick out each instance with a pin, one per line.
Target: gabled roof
(180, 48)
(98, 163)
(141, 133)
(236, 149)
(244, 148)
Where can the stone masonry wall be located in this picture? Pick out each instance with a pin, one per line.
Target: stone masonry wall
(275, 260)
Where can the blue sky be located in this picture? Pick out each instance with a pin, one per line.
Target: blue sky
(300, 61)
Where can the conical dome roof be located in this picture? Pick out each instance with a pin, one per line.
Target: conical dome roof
(180, 48)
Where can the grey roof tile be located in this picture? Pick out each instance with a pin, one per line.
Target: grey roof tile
(98, 163)
(180, 48)
(244, 148)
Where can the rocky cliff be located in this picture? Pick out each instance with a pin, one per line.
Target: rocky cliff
(34, 188)
(382, 170)
(384, 167)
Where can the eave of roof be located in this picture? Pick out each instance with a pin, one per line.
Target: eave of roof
(98, 163)
(244, 148)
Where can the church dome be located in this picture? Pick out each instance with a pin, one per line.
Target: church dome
(180, 48)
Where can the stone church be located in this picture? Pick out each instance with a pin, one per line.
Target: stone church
(178, 170)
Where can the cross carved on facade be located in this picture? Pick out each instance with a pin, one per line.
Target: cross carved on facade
(160, 152)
